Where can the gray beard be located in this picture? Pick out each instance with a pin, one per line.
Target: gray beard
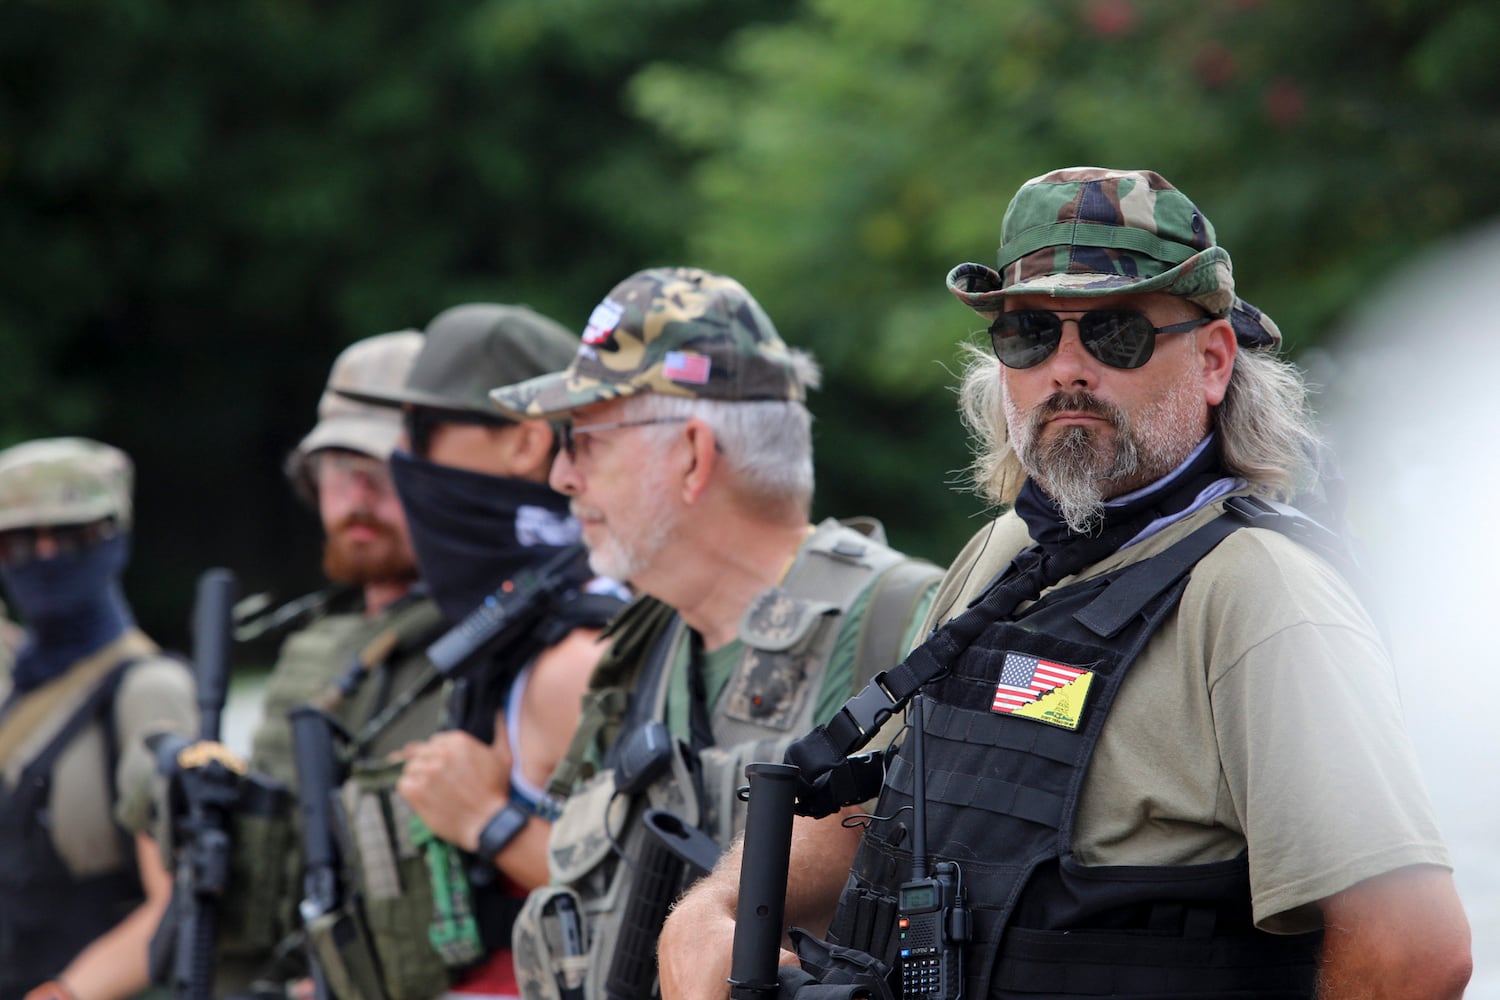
(1074, 467)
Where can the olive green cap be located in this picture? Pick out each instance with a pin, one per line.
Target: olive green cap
(469, 349)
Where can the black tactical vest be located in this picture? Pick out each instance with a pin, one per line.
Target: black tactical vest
(1002, 797)
(47, 915)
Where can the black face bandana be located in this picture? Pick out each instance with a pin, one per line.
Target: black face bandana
(471, 532)
(73, 605)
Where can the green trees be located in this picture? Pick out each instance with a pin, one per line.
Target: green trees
(200, 203)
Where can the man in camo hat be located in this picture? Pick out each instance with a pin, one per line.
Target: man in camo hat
(1164, 753)
(688, 458)
(79, 896)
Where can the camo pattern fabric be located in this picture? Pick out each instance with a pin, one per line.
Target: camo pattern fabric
(381, 361)
(67, 480)
(676, 330)
(1088, 231)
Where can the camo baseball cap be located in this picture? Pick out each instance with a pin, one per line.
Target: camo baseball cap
(379, 362)
(67, 480)
(1087, 232)
(676, 330)
(471, 348)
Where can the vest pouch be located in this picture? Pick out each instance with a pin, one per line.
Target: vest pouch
(550, 944)
(578, 844)
(582, 858)
(831, 972)
(344, 953)
(263, 861)
(395, 887)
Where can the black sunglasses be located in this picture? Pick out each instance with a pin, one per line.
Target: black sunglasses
(1120, 338)
(19, 545)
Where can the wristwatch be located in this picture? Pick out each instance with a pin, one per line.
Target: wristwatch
(500, 829)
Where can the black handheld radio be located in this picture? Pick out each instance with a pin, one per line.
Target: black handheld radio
(932, 918)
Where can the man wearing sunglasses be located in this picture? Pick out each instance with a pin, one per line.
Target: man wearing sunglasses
(1165, 756)
(473, 485)
(80, 894)
(689, 461)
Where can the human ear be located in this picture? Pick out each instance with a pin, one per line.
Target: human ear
(1216, 351)
(702, 456)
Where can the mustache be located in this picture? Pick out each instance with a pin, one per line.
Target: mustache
(363, 519)
(1081, 401)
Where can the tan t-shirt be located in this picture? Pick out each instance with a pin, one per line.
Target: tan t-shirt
(155, 695)
(1263, 715)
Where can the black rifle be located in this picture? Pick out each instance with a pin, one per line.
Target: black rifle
(205, 789)
(761, 906)
(503, 617)
(777, 792)
(673, 857)
(318, 779)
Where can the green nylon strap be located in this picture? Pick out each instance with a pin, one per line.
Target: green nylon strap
(1094, 234)
(454, 931)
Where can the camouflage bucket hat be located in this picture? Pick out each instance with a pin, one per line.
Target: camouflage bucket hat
(675, 330)
(471, 348)
(1088, 232)
(63, 481)
(375, 363)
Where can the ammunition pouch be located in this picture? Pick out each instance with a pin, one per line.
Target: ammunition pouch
(340, 942)
(414, 910)
(256, 913)
(551, 958)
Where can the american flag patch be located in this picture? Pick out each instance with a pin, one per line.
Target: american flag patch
(1041, 689)
(681, 366)
(602, 322)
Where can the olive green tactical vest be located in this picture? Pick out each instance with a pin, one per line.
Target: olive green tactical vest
(789, 633)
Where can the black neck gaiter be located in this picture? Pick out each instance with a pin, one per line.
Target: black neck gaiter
(1065, 552)
(471, 532)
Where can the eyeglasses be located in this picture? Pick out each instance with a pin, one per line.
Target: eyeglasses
(344, 471)
(420, 421)
(568, 434)
(1120, 338)
(19, 545)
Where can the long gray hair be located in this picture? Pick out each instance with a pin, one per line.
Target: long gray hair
(1265, 427)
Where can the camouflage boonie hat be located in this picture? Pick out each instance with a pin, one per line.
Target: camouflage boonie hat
(1087, 232)
(379, 362)
(675, 330)
(67, 480)
(469, 350)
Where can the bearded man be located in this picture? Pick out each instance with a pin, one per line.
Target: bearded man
(1164, 753)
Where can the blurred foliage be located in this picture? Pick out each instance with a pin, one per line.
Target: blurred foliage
(851, 157)
(200, 203)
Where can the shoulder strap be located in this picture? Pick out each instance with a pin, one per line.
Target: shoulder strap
(634, 633)
(897, 594)
(93, 707)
